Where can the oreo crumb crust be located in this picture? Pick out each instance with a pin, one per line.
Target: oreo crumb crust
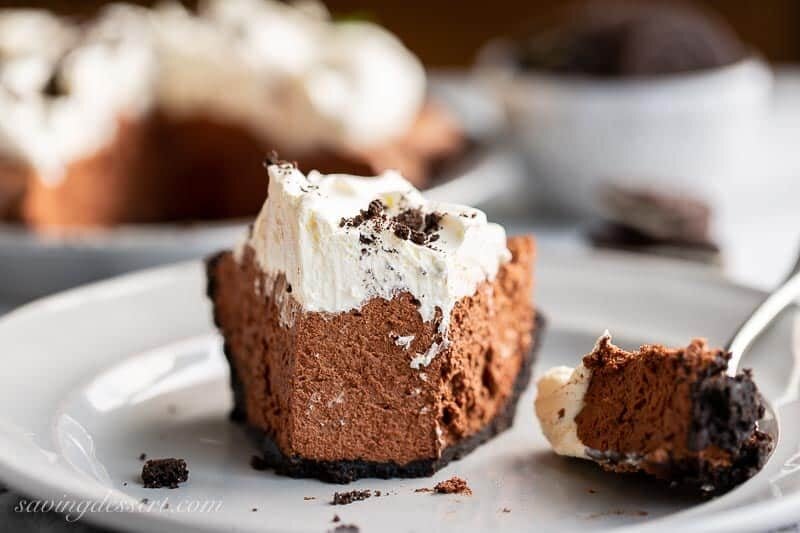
(454, 485)
(346, 498)
(725, 414)
(160, 473)
(346, 471)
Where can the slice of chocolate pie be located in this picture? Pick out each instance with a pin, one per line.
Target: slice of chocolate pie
(370, 332)
(671, 413)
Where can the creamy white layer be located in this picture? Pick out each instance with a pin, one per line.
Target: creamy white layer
(59, 102)
(333, 267)
(559, 399)
(286, 72)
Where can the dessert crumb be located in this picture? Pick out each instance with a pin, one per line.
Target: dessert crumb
(591, 491)
(307, 498)
(424, 489)
(142, 456)
(254, 510)
(454, 485)
(561, 413)
(346, 498)
(145, 501)
(336, 518)
(506, 510)
(160, 473)
(345, 528)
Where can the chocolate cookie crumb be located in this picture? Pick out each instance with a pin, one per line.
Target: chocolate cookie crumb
(417, 237)
(424, 489)
(413, 225)
(374, 210)
(346, 498)
(142, 456)
(561, 413)
(159, 473)
(454, 485)
(257, 463)
(412, 218)
(336, 518)
(309, 498)
(145, 501)
(591, 491)
(254, 510)
(346, 528)
(402, 232)
(432, 222)
(506, 510)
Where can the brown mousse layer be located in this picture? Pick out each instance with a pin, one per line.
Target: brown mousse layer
(335, 396)
(674, 414)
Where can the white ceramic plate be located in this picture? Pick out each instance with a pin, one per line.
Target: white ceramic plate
(95, 376)
(34, 265)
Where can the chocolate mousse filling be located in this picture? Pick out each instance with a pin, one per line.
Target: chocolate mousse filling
(674, 414)
(334, 395)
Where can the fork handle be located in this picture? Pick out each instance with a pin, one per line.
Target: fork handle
(764, 315)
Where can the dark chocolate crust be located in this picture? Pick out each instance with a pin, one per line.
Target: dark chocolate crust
(347, 471)
(695, 475)
(725, 414)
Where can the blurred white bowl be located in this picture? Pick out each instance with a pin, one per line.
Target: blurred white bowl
(689, 132)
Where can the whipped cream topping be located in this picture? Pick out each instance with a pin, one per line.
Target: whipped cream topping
(312, 230)
(59, 102)
(559, 399)
(339, 84)
(287, 72)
